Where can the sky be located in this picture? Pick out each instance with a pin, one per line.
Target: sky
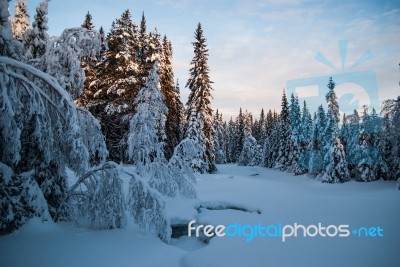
(259, 48)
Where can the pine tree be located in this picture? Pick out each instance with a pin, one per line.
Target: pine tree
(251, 153)
(262, 124)
(231, 141)
(35, 39)
(219, 139)
(284, 158)
(88, 24)
(296, 133)
(199, 102)
(391, 136)
(20, 22)
(171, 98)
(351, 133)
(305, 139)
(239, 136)
(111, 96)
(180, 111)
(143, 43)
(318, 142)
(368, 158)
(337, 170)
(271, 146)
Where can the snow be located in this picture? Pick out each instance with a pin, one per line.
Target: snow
(279, 197)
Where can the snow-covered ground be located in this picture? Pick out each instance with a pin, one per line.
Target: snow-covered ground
(271, 197)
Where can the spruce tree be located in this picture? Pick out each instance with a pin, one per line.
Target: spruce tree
(199, 103)
(171, 98)
(284, 158)
(231, 141)
(219, 139)
(240, 133)
(305, 139)
(143, 43)
(110, 97)
(337, 170)
(316, 164)
(88, 24)
(296, 133)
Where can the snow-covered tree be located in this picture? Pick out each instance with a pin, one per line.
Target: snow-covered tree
(171, 98)
(22, 199)
(97, 196)
(199, 111)
(231, 141)
(63, 57)
(391, 137)
(147, 207)
(317, 154)
(143, 43)
(368, 157)
(296, 133)
(284, 157)
(7, 42)
(251, 154)
(146, 138)
(92, 137)
(337, 170)
(219, 139)
(350, 133)
(180, 170)
(40, 133)
(305, 139)
(331, 100)
(20, 22)
(271, 146)
(35, 39)
(260, 129)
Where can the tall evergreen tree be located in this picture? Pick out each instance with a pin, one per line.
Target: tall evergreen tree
(20, 22)
(219, 139)
(305, 139)
(284, 158)
(231, 141)
(143, 43)
(239, 136)
(316, 164)
(199, 102)
(171, 98)
(296, 133)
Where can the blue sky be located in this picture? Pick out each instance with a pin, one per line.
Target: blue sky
(257, 46)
